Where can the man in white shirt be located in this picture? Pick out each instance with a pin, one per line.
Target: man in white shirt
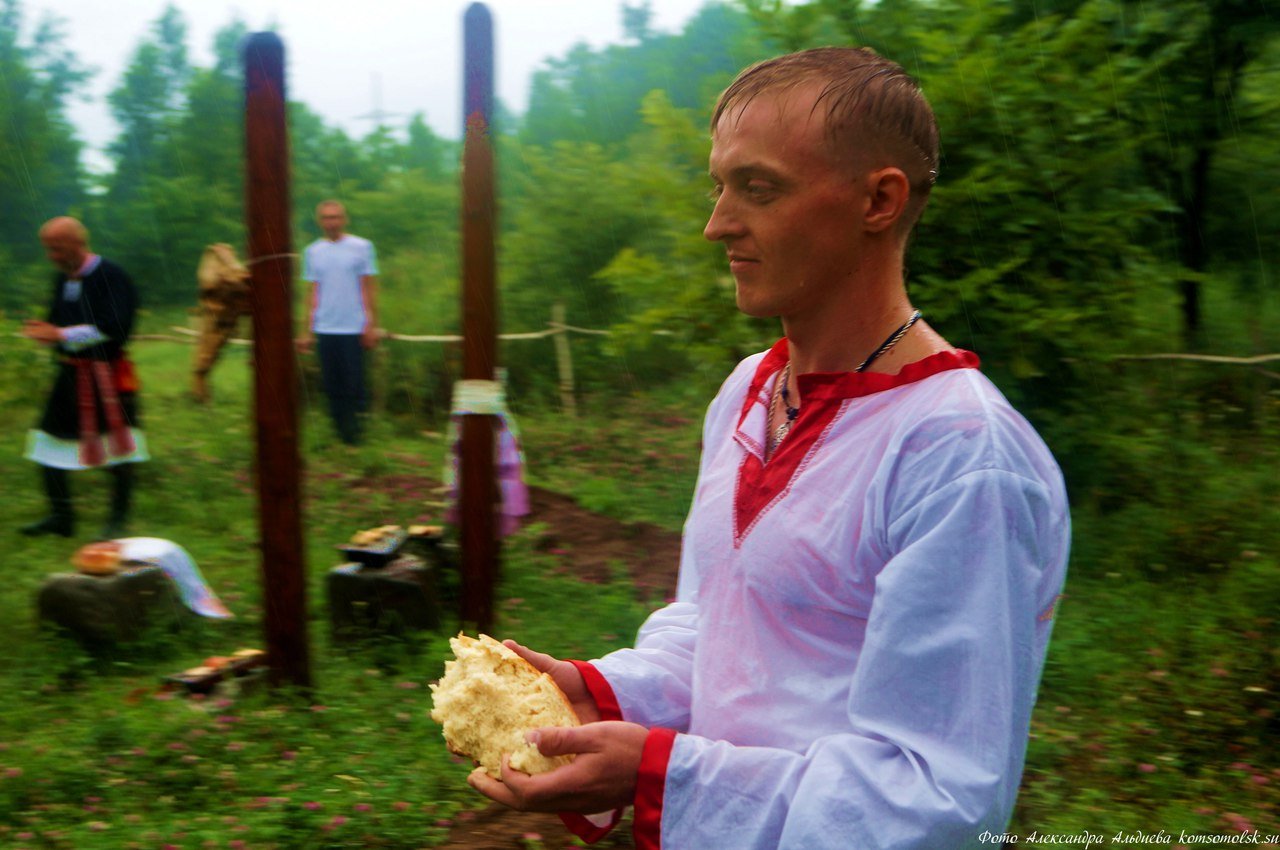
(877, 539)
(342, 323)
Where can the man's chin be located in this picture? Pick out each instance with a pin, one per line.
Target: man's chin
(754, 308)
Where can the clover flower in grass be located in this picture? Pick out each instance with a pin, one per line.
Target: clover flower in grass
(1238, 822)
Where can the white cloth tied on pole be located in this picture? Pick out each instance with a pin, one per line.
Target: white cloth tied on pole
(488, 398)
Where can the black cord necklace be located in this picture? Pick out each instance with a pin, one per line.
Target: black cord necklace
(783, 393)
(889, 342)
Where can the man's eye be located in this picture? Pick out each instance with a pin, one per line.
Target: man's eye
(759, 191)
(714, 193)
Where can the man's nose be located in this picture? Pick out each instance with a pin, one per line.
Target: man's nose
(722, 224)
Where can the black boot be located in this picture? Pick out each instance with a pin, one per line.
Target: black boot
(61, 519)
(121, 491)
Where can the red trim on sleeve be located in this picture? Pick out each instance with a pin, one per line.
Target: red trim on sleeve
(596, 827)
(600, 689)
(588, 830)
(651, 783)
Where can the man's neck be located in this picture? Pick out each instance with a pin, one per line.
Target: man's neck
(850, 325)
(84, 267)
(337, 238)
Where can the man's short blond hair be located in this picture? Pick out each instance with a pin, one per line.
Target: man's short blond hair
(872, 107)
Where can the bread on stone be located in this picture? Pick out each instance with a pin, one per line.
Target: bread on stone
(488, 698)
(98, 559)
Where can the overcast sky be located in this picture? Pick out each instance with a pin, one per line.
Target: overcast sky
(346, 58)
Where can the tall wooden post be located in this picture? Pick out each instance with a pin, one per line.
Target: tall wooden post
(478, 487)
(564, 360)
(275, 379)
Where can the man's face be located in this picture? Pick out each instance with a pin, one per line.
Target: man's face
(65, 251)
(785, 210)
(333, 220)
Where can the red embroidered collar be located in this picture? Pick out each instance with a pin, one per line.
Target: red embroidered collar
(760, 485)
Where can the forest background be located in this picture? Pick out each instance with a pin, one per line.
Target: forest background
(1108, 192)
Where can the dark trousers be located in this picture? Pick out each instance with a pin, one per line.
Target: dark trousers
(342, 372)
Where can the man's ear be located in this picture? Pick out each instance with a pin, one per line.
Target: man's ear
(888, 192)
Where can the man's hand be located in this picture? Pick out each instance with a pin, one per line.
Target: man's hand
(566, 677)
(369, 337)
(602, 776)
(42, 332)
(304, 343)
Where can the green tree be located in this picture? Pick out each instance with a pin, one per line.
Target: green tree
(149, 95)
(1201, 51)
(40, 171)
(178, 183)
(596, 95)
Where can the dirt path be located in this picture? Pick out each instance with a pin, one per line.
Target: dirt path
(593, 544)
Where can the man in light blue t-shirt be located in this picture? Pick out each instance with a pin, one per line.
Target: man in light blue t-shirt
(343, 321)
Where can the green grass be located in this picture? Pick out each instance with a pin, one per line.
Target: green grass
(92, 754)
(1157, 707)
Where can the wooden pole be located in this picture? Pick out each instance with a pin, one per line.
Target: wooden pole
(478, 487)
(564, 361)
(267, 219)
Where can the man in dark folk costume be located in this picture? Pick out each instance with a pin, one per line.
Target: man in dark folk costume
(91, 418)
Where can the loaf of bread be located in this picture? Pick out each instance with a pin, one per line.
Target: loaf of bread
(487, 700)
(98, 559)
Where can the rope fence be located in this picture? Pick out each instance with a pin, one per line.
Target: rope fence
(561, 330)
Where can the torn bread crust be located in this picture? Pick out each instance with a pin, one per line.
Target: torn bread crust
(489, 698)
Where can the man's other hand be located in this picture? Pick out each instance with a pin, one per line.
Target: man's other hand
(602, 776)
(304, 343)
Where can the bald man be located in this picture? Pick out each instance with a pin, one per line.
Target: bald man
(91, 418)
